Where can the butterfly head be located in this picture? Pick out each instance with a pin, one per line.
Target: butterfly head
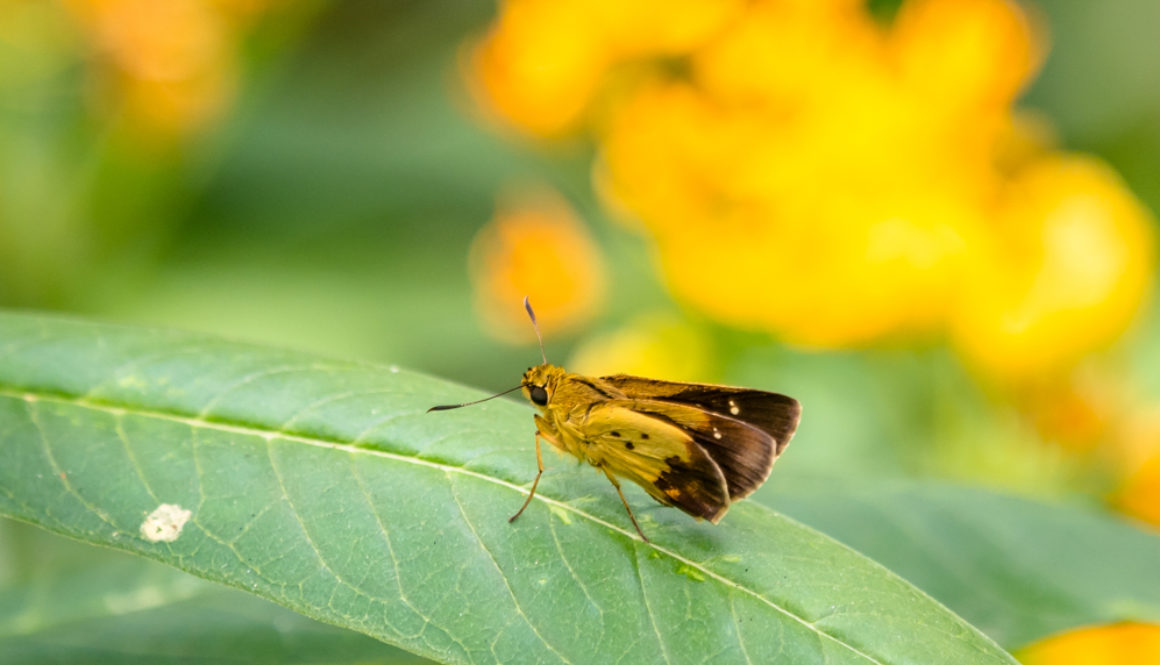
(539, 383)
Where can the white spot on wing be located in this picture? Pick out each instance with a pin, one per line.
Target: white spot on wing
(733, 408)
(165, 523)
(716, 433)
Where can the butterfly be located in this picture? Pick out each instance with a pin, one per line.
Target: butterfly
(694, 446)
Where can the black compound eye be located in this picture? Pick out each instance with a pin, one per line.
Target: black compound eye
(538, 395)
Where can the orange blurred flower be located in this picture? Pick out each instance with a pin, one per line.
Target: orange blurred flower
(803, 169)
(535, 246)
(168, 68)
(544, 61)
(1097, 645)
(539, 66)
(1139, 495)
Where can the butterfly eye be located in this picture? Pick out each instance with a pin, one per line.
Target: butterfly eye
(538, 395)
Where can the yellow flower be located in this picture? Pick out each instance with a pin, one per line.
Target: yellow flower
(966, 56)
(1067, 266)
(543, 62)
(749, 229)
(632, 29)
(539, 66)
(1139, 449)
(1140, 494)
(805, 170)
(1097, 645)
(536, 247)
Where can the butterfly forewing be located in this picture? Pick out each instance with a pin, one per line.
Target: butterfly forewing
(773, 413)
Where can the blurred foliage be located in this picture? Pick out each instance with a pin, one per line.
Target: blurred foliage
(316, 175)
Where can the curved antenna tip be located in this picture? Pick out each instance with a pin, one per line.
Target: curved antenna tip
(536, 326)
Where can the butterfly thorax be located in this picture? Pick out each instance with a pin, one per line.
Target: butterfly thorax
(564, 400)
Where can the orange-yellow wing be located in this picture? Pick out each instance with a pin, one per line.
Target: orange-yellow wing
(743, 452)
(658, 454)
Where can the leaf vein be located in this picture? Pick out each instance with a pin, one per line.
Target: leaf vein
(498, 569)
(195, 422)
(648, 606)
(29, 405)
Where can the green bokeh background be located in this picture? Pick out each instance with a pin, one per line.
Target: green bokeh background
(332, 208)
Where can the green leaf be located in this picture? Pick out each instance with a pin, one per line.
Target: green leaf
(325, 486)
(123, 612)
(62, 601)
(1020, 570)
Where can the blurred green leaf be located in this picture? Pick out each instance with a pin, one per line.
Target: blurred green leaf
(122, 610)
(1020, 570)
(324, 486)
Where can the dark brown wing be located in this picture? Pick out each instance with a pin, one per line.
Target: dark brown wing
(744, 453)
(775, 414)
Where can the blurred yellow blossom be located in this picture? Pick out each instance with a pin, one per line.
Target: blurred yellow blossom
(535, 246)
(1139, 495)
(1125, 643)
(1064, 273)
(544, 61)
(539, 66)
(805, 169)
(656, 345)
(965, 57)
(1077, 409)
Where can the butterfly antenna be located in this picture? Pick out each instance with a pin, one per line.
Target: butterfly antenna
(528, 306)
(445, 407)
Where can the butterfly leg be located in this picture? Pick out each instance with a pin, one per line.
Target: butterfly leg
(540, 464)
(616, 483)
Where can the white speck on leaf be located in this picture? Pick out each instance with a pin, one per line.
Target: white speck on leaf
(165, 523)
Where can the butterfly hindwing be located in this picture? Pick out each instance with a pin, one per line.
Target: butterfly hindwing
(657, 454)
(744, 453)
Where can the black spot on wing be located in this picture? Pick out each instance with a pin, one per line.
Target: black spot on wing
(696, 487)
(743, 453)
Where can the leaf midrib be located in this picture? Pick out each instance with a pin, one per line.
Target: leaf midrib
(31, 395)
